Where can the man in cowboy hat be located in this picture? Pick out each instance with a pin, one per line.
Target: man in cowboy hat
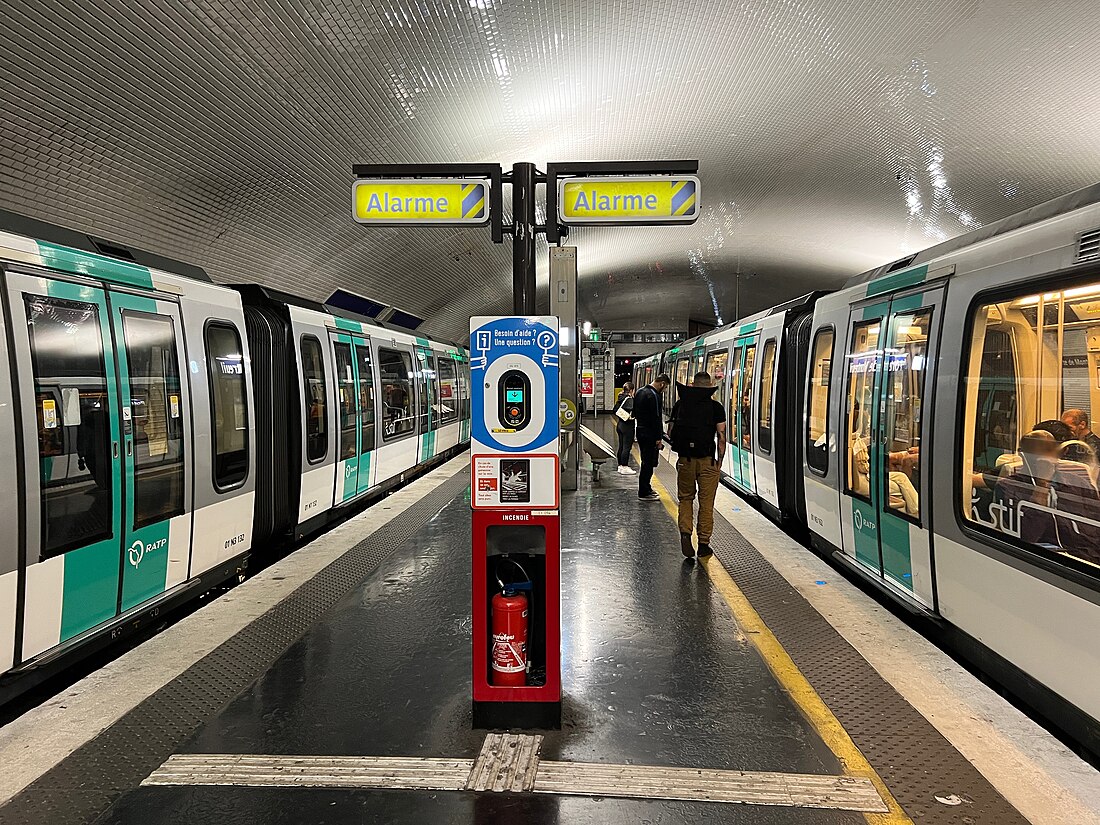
(699, 440)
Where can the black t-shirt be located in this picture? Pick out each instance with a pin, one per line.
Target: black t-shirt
(717, 414)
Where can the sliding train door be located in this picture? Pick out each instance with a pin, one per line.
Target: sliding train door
(354, 414)
(105, 420)
(885, 480)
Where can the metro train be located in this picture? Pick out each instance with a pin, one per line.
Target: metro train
(157, 430)
(911, 426)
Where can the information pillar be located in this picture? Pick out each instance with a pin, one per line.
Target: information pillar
(515, 489)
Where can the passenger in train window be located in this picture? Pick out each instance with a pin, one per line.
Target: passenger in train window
(1080, 428)
(1024, 495)
(1082, 453)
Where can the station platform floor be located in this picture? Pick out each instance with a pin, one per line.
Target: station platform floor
(335, 688)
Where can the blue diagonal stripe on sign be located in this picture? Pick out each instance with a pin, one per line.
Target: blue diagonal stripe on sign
(681, 195)
(473, 203)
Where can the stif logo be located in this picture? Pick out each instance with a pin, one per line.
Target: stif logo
(138, 550)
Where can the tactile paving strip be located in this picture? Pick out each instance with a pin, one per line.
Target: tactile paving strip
(83, 785)
(912, 757)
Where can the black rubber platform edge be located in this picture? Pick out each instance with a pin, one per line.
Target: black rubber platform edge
(912, 757)
(81, 787)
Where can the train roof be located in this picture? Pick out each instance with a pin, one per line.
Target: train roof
(41, 231)
(259, 293)
(1088, 196)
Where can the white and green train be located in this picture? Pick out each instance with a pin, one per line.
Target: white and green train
(157, 429)
(933, 428)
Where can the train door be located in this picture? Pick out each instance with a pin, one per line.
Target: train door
(354, 415)
(347, 419)
(716, 364)
(740, 413)
(885, 479)
(108, 510)
(156, 432)
(364, 376)
(766, 446)
(70, 412)
(732, 463)
(426, 401)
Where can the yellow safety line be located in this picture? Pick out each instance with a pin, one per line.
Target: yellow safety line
(786, 672)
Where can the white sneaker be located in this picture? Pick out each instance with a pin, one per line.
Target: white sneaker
(626, 471)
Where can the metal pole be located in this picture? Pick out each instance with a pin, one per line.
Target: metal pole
(563, 303)
(523, 238)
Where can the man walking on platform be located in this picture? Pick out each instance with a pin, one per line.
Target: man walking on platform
(698, 426)
(651, 432)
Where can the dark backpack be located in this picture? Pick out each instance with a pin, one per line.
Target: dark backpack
(694, 425)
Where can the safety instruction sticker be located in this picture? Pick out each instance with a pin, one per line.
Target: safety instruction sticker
(174, 405)
(49, 414)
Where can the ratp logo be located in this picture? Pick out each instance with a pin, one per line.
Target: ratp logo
(860, 522)
(347, 471)
(139, 548)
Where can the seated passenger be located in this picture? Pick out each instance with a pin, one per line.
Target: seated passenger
(1081, 453)
(903, 495)
(859, 474)
(1025, 494)
(1078, 503)
(1056, 428)
(1081, 429)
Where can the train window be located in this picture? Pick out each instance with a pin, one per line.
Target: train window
(225, 366)
(346, 393)
(156, 417)
(1030, 455)
(732, 416)
(682, 376)
(448, 391)
(366, 397)
(315, 394)
(744, 427)
(716, 366)
(862, 366)
(767, 381)
(395, 373)
(905, 360)
(817, 413)
(74, 415)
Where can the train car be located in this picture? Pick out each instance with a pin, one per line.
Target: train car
(368, 404)
(152, 450)
(943, 444)
(126, 429)
(937, 464)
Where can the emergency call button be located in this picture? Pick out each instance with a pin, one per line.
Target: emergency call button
(514, 402)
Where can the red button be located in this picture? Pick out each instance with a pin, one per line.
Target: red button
(514, 412)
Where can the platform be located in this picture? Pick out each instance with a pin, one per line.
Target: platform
(694, 692)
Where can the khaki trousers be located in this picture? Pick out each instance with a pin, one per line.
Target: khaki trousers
(700, 474)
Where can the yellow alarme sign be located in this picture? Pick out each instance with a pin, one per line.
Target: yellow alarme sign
(450, 200)
(656, 199)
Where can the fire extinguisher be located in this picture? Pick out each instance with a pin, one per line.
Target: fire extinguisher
(509, 626)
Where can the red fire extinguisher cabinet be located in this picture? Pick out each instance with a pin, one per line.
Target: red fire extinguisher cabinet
(531, 539)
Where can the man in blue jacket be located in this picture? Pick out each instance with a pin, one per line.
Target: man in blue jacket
(651, 432)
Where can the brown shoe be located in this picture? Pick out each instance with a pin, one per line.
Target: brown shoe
(685, 545)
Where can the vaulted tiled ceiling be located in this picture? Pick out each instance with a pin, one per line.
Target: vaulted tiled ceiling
(832, 136)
